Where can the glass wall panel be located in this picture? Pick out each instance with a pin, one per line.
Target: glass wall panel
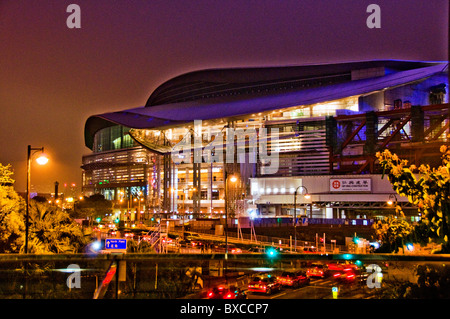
(113, 138)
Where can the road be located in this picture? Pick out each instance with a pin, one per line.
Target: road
(318, 289)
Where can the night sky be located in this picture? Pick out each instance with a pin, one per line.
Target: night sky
(53, 78)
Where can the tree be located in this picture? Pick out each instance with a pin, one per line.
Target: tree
(12, 222)
(51, 230)
(427, 188)
(92, 207)
(6, 175)
(394, 233)
(433, 282)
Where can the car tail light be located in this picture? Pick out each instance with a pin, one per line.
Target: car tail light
(336, 275)
(210, 294)
(228, 296)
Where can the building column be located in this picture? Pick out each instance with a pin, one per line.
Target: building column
(328, 212)
(417, 123)
(210, 186)
(174, 201)
(197, 191)
(167, 182)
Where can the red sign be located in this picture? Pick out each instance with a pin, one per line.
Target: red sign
(336, 184)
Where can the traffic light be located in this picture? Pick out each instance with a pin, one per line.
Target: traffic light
(98, 219)
(272, 252)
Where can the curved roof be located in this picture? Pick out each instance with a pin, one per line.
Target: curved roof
(155, 115)
(220, 82)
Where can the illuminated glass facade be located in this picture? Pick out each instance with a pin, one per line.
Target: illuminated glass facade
(330, 119)
(113, 138)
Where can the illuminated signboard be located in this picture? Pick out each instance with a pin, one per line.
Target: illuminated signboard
(350, 185)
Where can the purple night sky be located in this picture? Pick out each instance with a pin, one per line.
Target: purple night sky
(53, 78)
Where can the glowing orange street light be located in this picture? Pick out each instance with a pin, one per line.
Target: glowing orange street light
(41, 160)
(391, 197)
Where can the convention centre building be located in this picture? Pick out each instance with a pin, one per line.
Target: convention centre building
(268, 141)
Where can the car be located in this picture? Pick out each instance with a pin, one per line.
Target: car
(192, 240)
(222, 292)
(350, 276)
(232, 248)
(317, 270)
(264, 284)
(167, 241)
(258, 250)
(191, 236)
(112, 232)
(310, 250)
(341, 266)
(344, 276)
(294, 279)
(128, 234)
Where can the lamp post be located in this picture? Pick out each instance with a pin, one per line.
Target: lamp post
(41, 160)
(307, 196)
(232, 179)
(390, 202)
(392, 197)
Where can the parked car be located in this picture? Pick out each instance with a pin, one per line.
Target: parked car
(264, 284)
(222, 292)
(318, 270)
(294, 279)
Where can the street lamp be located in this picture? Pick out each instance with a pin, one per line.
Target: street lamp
(307, 196)
(41, 160)
(391, 197)
(233, 179)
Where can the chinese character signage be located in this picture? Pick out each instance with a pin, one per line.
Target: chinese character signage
(350, 185)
